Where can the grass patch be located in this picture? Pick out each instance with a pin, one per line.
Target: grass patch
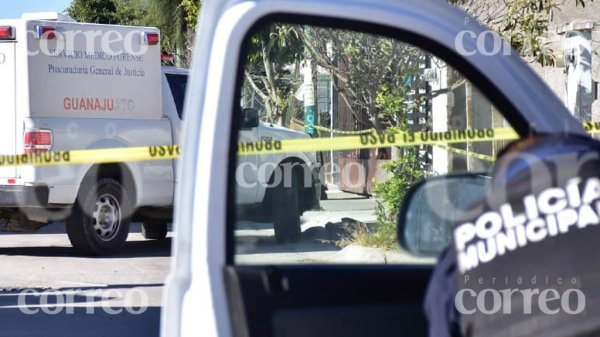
(384, 237)
(402, 174)
(382, 234)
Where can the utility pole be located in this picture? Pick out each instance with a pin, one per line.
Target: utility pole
(310, 110)
(578, 63)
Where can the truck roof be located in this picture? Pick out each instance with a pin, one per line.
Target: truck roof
(50, 16)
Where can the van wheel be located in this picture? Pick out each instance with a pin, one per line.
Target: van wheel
(286, 212)
(154, 229)
(99, 222)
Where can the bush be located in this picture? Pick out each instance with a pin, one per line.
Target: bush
(404, 172)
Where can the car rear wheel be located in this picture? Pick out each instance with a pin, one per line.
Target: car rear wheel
(286, 212)
(99, 222)
(154, 229)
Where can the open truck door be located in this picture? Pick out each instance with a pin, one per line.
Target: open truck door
(228, 279)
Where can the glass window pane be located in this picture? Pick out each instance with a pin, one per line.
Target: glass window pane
(370, 116)
(178, 85)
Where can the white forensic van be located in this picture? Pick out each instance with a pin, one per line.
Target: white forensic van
(66, 85)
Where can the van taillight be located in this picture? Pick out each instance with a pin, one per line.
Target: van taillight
(7, 33)
(46, 32)
(150, 38)
(37, 141)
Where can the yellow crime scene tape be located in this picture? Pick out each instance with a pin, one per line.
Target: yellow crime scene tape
(343, 132)
(111, 155)
(447, 148)
(363, 139)
(374, 140)
(466, 152)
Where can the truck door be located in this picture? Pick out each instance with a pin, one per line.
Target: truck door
(7, 104)
(241, 283)
(246, 170)
(175, 84)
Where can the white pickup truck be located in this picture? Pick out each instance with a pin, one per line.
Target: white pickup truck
(66, 86)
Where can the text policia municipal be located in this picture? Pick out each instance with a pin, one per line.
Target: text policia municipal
(553, 212)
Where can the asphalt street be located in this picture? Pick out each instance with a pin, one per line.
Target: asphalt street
(48, 290)
(323, 235)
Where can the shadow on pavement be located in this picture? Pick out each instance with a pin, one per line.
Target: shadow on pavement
(314, 239)
(80, 323)
(77, 295)
(59, 227)
(132, 249)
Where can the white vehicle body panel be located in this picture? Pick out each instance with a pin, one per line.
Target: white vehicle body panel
(154, 178)
(120, 77)
(8, 107)
(257, 170)
(89, 100)
(92, 99)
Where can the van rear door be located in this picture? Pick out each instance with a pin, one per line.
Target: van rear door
(7, 105)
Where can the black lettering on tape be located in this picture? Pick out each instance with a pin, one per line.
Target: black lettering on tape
(260, 146)
(364, 139)
(391, 138)
(163, 151)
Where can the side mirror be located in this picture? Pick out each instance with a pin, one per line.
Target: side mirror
(249, 118)
(433, 207)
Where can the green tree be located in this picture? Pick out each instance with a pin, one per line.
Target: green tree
(362, 65)
(371, 71)
(131, 12)
(191, 10)
(177, 22)
(176, 19)
(523, 23)
(95, 11)
(118, 12)
(272, 69)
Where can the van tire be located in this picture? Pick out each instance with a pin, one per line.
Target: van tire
(286, 212)
(99, 221)
(154, 229)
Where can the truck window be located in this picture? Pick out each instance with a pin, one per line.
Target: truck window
(178, 83)
(409, 113)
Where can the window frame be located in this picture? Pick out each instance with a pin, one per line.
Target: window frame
(449, 56)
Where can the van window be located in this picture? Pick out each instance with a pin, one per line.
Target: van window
(178, 83)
